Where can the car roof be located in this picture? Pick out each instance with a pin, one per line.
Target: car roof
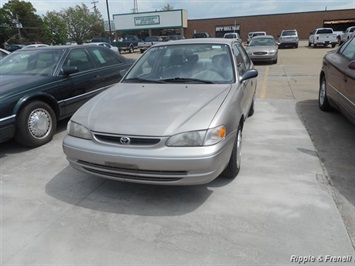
(96, 43)
(61, 47)
(200, 41)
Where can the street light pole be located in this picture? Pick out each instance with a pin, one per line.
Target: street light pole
(109, 20)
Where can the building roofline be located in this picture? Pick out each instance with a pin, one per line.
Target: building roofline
(276, 14)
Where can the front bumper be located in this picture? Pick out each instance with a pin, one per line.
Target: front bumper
(266, 57)
(150, 165)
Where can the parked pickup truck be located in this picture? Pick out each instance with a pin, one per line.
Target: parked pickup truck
(149, 41)
(348, 33)
(322, 37)
(129, 43)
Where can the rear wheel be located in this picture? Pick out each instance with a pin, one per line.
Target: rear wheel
(36, 124)
(322, 97)
(131, 49)
(233, 166)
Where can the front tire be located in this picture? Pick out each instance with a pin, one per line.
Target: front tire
(36, 124)
(251, 109)
(233, 166)
(322, 96)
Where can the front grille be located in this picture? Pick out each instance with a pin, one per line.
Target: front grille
(132, 173)
(132, 177)
(133, 140)
(260, 53)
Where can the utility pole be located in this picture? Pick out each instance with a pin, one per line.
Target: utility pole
(94, 3)
(109, 19)
(135, 6)
(18, 26)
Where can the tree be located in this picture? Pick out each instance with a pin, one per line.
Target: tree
(56, 32)
(167, 7)
(20, 20)
(82, 24)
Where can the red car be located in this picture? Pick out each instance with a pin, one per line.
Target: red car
(337, 80)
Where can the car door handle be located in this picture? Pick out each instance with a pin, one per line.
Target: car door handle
(345, 78)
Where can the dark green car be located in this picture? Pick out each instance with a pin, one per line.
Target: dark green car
(41, 86)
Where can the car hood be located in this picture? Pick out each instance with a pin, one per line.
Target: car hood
(152, 109)
(12, 84)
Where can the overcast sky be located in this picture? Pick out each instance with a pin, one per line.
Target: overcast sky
(198, 8)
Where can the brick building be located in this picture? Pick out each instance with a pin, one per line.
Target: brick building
(303, 22)
(176, 22)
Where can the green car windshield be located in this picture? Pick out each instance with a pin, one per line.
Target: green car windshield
(30, 62)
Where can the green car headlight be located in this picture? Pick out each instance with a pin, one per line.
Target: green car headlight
(78, 131)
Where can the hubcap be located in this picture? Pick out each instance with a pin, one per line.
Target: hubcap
(322, 93)
(39, 123)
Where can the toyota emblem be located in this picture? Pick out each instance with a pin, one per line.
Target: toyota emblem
(125, 140)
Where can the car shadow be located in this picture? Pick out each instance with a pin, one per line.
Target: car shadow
(333, 137)
(95, 193)
(12, 147)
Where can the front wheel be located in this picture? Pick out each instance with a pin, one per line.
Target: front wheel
(36, 124)
(131, 49)
(233, 166)
(322, 97)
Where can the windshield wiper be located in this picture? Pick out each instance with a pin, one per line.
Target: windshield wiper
(190, 80)
(140, 80)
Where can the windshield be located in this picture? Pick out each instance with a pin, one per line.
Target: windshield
(192, 63)
(289, 33)
(262, 42)
(30, 62)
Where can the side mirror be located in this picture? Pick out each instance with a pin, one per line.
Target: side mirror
(123, 72)
(250, 73)
(351, 65)
(68, 70)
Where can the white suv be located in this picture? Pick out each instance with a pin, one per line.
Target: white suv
(288, 38)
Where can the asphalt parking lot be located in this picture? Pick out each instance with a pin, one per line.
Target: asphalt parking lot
(292, 202)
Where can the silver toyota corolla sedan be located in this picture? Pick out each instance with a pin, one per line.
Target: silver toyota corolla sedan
(176, 118)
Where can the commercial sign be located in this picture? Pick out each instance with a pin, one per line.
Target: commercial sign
(170, 19)
(228, 28)
(150, 20)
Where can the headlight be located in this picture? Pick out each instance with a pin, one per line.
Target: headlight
(77, 130)
(272, 52)
(187, 139)
(197, 138)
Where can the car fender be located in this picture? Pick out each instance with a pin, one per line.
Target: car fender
(47, 98)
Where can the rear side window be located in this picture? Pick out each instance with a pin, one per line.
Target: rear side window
(103, 57)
